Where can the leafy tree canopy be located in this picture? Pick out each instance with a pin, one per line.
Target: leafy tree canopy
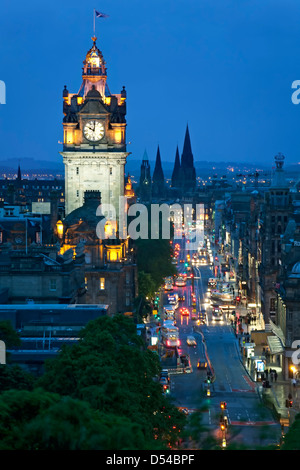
(112, 371)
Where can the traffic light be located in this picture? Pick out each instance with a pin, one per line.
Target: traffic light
(288, 403)
(223, 405)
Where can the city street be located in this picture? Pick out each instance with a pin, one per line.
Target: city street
(249, 422)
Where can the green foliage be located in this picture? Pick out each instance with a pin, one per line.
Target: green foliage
(98, 394)
(292, 437)
(39, 420)
(9, 335)
(154, 257)
(14, 377)
(112, 371)
(147, 286)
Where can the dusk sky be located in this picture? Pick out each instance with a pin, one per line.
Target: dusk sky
(225, 67)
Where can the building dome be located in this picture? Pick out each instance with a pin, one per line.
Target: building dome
(87, 212)
(93, 93)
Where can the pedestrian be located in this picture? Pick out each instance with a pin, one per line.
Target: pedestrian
(266, 372)
(275, 375)
(272, 376)
(294, 382)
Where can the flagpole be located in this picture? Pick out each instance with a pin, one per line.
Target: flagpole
(94, 23)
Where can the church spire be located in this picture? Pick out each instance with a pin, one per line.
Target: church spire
(94, 71)
(19, 177)
(158, 174)
(187, 159)
(158, 179)
(176, 180)
(145, 179)
(187, 163)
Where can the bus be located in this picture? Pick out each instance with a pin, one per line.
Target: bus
(169, 312)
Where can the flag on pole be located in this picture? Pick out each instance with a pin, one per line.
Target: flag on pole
(100, 15)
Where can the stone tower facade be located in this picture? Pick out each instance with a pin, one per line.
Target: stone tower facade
(94, 144)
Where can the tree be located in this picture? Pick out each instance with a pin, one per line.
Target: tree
(14, 377)
(154, 257)
(111, 369)
(8, 334)
(40, 420)
(292, 437)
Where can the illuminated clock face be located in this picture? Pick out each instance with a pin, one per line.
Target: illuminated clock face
(93, 131)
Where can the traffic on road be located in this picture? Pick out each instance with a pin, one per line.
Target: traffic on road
(202, 368)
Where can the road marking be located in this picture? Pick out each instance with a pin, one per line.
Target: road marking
(253, 423)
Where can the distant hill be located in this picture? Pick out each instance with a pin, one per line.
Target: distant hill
(32, 167)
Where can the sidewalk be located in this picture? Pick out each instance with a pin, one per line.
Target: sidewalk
(279, 389)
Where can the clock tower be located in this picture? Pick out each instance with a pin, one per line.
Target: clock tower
(94, 145)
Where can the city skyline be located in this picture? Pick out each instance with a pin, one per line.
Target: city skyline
(225, 70)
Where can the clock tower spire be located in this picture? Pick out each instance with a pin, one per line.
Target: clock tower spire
(94, 145)
(94, 71)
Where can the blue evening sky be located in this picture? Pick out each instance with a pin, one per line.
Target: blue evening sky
(225, 67)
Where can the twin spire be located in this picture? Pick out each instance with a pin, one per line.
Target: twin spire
(183, 175)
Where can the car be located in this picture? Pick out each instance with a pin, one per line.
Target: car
(184, 311)
(201, 364)
(165, 375)
(191, 341)
(164, 381)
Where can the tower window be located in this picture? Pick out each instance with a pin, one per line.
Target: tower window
(77, 193)
(102, 283)
(110, 170)
(77, 170)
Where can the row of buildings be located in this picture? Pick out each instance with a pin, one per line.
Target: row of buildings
(51, 253)
(258, 230)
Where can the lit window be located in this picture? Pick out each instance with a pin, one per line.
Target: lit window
(102, 283)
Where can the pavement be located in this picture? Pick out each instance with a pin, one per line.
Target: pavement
(280, 389)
